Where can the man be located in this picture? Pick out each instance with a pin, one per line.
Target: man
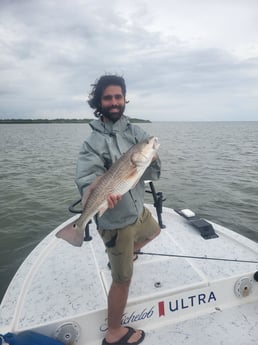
(127, 225)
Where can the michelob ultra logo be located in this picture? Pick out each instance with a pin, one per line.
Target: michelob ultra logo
(129, 318)
(191, 301)
(164, 307)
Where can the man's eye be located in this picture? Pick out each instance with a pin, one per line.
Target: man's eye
(107, 98)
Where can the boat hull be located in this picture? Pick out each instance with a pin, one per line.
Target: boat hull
(61, 290)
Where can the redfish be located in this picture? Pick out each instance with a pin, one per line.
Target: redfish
(122, 176)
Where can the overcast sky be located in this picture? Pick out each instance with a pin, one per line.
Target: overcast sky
(189, 60)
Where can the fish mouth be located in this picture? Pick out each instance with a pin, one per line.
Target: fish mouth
(153, 141)
(156, 143)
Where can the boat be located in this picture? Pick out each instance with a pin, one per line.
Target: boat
(197, 283)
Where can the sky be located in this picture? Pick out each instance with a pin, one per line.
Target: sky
(187, 60)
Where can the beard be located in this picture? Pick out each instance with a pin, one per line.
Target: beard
(113, 115)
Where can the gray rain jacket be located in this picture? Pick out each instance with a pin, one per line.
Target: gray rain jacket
(107, 142)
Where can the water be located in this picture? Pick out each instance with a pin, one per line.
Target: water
(211, 168)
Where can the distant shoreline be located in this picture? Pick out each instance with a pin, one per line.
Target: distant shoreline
(39, 121)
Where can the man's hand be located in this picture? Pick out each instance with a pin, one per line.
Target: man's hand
(155, 157)
(113, 200)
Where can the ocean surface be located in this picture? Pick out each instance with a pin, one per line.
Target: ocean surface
(209, 167)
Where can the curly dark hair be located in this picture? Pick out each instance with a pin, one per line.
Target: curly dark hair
(98, 88)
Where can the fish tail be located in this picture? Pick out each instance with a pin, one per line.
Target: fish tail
(72, 234)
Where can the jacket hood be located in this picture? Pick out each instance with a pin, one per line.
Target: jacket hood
(109, 127)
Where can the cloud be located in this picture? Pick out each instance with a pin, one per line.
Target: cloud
(181, 61)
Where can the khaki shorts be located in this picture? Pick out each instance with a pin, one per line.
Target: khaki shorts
(120, 244)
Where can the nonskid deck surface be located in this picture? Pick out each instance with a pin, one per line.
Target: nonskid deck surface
(59, 282)
(234, 326)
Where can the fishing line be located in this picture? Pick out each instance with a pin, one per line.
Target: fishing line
(198, 257)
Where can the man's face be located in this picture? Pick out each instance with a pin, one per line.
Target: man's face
(113, 103)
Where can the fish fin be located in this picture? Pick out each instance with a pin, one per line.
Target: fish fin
(134, 185)
(89, 190)
(72, 234)
(102, 211)
(85, 196)
(103, 208)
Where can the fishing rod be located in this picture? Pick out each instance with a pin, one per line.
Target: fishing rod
(197, 257)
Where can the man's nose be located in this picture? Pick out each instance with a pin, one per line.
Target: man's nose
(114, 100)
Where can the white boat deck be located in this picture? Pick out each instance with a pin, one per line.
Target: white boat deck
(175, 300)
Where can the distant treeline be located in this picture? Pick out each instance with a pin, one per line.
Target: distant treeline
(26, 121)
